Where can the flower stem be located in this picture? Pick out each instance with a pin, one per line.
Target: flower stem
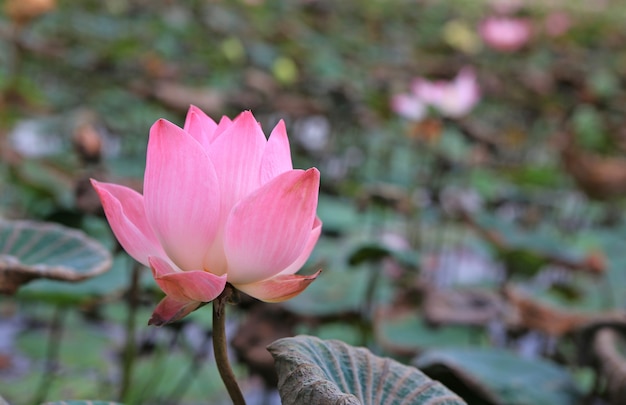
(220, 346)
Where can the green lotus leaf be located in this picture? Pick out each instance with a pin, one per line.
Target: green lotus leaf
(315, 371)
(32, 250)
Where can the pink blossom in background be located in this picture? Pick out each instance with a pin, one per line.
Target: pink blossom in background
(454, 98)
(505, 34)
(221, 203)
(408, 106)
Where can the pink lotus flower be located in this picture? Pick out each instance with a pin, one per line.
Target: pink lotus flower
(505, 34)
(220, 204)
(451, 98)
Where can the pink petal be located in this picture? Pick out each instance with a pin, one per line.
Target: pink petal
(223, 125)
(277, 156)
(192, 285)
(269, 229)
(170, 310)
(200, 126)
(182, 195)
(304, 256)
(279, 288)
(236, 155)
(125, 212)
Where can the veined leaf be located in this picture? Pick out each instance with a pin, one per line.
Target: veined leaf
(315, 371)
(31, 250)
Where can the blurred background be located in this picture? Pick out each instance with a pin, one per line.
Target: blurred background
(473, 166)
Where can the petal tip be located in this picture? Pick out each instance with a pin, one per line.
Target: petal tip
(247, 117)
(311, 277)
(310, 178)
(170, 310)
(194, 108)
(161, 125)
(279, 288)
(313, 171)
(303, 284)
(97, 185)
(156, 320)
(281, 126)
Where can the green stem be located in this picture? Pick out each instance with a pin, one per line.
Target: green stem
(220, 346)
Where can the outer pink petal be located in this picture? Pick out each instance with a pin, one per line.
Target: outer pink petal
(269, 230)
(200, 126)
(170, 310)
(279, 288)
(182, 195)
(236, 155)
(192, 285)
(125, 212)
(304, 256)
(277, 155)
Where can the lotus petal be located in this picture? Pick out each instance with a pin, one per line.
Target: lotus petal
(170, 310)
(236, 154)
(181, 194)
(308, 249)
(269, 230)
(278, 288)
(200, 126)
(192, 285)
(125, 212)
(277, 155)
